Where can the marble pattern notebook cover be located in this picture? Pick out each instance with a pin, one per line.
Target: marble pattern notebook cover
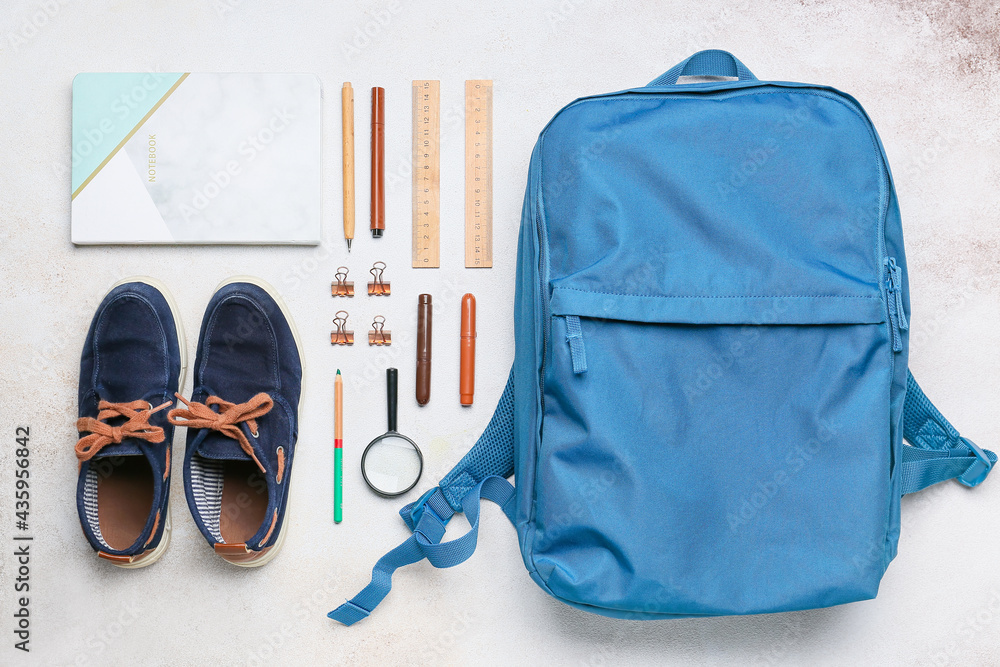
(196, 158)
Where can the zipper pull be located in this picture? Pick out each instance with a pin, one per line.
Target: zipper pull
(574, 336)
(896, 287)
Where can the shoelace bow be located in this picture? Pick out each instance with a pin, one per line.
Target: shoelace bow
(226, 421)
(102, 434)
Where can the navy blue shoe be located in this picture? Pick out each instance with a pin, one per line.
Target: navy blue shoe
(132, 363)
(242, 422)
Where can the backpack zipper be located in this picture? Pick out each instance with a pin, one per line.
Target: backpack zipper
(542, 277)
(894, 294)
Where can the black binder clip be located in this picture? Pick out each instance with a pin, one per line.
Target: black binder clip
(342, 287)
(379, 335)
(379, 286)
(340, 335)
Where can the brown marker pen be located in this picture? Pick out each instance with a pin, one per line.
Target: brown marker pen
(423, 349)
(378, 162)
(467, 375)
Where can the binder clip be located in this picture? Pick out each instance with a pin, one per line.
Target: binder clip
(341, 336)
(379, 335)
(342, 287)
(378, 287)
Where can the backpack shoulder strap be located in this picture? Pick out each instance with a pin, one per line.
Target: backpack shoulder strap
(936, 452)
(493, 453)
(480, 474)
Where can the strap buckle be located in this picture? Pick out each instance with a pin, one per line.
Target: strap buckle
(411, 513)
(978, 470)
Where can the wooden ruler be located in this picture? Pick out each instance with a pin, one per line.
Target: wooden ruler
(478, 174)
(426, 174)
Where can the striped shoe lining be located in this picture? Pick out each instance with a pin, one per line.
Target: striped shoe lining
(206, 485)
(90, 505)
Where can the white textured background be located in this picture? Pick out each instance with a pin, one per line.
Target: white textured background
(928, 73)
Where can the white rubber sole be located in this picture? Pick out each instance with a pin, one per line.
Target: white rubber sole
(161, 548)
(273, 293)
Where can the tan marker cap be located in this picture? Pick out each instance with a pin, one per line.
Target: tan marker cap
(467, 377)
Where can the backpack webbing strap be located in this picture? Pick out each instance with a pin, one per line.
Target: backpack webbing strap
(427, 519)
(936, 451)
(479, 475)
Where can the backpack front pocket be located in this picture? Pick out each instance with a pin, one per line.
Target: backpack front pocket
(713, 455)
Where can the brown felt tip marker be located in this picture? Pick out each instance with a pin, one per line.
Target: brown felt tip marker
(467, 373)
(423, 349)
(378, 162)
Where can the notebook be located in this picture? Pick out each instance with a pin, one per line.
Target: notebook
(196, 158)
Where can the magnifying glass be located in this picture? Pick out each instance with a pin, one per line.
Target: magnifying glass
(392, 463)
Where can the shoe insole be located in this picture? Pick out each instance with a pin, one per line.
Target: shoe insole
(244, 501)
(124, 500)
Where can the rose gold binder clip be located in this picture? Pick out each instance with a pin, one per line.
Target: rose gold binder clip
(379, 286)
(342, 287)
(379, 335)
(341, 336)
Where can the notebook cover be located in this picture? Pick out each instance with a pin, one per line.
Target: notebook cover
(196, 158)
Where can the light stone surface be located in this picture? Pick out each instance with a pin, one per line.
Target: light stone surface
(927, 73)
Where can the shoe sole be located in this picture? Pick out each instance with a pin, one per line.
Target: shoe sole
(161, 548)
(273, 293)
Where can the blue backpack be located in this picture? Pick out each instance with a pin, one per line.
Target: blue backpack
(710, 393)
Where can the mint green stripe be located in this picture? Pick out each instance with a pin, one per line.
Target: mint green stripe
(106, 107)
(338, 484)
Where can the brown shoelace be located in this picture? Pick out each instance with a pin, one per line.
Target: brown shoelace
(226, 421)
(102, 434)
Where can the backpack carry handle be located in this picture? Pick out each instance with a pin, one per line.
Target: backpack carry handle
(711, 62)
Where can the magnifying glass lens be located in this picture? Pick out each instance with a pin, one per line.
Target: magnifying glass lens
(392, 465)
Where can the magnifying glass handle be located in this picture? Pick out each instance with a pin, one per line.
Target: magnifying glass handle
(391, 393)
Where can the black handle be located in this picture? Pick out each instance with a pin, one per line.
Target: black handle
(391, 393)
